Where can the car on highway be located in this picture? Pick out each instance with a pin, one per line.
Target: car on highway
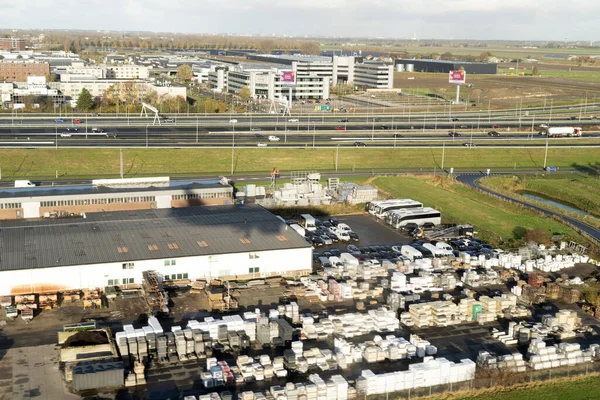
(454, 119)
(359, 144)
(495, 126)
(65, 134)
(71, 129)
(258, 135)
(544, 126)
(463, 126)
(493, 133)
(76, 121)
(376, 119)
(454, 134)
(273, 138)
(293, 120)
(384, 127)
(469, 144)
(233, 121)
(344, 120)
(397, 136)
(340, 128)
(97, 130)
(95, 115)
(572, 118)
(111, 135)
(59, 120)
(255, 129)
(260, 144)
(168, 120)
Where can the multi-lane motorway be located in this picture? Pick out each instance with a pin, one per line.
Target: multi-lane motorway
(318, 130)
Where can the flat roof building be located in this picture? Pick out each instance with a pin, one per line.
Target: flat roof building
(12, 44)
(444, 66)
(18, 71)
(115, 248)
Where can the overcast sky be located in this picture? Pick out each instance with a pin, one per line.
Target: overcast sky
(440, 19)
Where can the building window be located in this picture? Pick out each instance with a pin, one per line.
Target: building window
(128, 265)
(254, 270)
(127, 281)
(253, 256)
(113, 282)
(167, 263)
(185, 276)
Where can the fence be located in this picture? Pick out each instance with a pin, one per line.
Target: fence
(491, 379)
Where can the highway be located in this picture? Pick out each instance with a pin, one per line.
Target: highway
(473, 181)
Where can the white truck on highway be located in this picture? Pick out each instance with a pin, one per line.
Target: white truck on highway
(561, 131)
(24, 184)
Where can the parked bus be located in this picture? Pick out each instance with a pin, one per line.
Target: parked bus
(382, 210)
(374, 204)
(419, 216)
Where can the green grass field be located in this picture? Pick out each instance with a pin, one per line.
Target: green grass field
(494, 218)
(70, 163)
(579, 191)
(580, 389)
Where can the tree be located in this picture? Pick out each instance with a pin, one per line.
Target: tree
(310, 48)
(85, 101)
(483, 56)
(535, 71)
(151, 97)
(447, 56)
(245, 93)
(539, 235)
(184, 73)
(19, 57)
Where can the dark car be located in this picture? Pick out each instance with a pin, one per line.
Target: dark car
(410, 226)
(292, 221)
(309, 241)
(317, 241)
(364, 249)
(454, 119)
(258, 135)
(333, 237)
(454, 134)
(352, 248)
(376, 119)
(493, 133)
(384, 127)
(71, 129)
(335, 252)
(353, 236)
(397, 135)
(344, 120)
(428, 225)
(95, 115)
(326, 254)
(359, 144)
(334, 221)
(572, 118)
(327, 224)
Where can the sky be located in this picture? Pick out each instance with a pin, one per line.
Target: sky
(427, 19)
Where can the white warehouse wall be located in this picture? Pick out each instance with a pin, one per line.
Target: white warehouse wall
(275, 262)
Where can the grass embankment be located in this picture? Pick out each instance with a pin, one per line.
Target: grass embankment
(72, 163)
(496, 220)
(577, 389)
(578, 191)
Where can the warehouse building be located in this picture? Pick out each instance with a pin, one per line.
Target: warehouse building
(57, 202)
(443, 66)
(115, 248)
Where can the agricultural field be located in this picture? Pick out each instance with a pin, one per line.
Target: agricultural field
(90, 162)
(495, 219)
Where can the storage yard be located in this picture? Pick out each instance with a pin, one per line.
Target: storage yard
(450, 311)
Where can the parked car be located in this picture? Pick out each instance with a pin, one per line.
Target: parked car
(352, 248)
(428, 225)
(454, 134)
(493, 133)
(333, 237)
(260, 144)
(273, 138)
(326, 239)
(359, 144)
(334, 221)
(340, 128)
(317, 241)
(59, 120)
(76, 121)
(410, 226)
(334, 252)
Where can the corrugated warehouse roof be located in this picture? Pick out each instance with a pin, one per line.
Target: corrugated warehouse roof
(125, 236)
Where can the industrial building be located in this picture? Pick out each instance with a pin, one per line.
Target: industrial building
(115, 248)
(443, 66)
(57, 202)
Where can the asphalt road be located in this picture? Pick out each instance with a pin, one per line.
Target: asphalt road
(472, 180)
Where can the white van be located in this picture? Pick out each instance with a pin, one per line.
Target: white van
(411, 253)
(233, 121)
(443, 245)
(273, 138)
(24, 183)
(301, 231)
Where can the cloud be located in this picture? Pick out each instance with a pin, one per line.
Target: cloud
(473, 19)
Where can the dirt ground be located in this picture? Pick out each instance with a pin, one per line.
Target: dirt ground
(502, 91)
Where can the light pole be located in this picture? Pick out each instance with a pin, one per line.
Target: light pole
(546, 152)
(146, 136)
(232, 146)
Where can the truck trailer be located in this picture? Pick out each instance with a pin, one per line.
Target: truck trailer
(563, 131)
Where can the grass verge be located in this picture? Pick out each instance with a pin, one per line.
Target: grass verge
(84, 163)
(496, 220)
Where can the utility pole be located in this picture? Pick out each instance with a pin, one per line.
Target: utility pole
(546, 153)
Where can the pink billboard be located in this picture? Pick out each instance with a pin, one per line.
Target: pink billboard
(457, 77)
(288, 77)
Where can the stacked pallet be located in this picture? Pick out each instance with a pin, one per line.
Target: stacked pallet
(510, 362)
(542, 356)
(92, 298)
